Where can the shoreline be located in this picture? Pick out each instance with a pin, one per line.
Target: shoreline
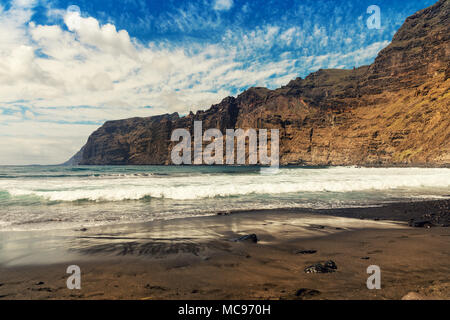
(402, 211)
(197, 258)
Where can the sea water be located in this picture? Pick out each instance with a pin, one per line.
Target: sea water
(58, 197)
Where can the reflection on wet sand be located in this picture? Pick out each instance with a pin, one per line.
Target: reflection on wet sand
(201, 258)
(160, 238)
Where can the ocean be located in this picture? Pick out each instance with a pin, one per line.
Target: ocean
(58, 197)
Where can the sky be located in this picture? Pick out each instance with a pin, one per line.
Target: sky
(66, 67)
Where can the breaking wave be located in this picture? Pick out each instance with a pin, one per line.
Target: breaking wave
(193, 186)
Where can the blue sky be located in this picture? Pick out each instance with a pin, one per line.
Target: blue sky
(63, 72)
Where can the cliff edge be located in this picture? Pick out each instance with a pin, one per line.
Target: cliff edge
(393, 112)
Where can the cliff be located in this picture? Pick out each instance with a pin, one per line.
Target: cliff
(393, 112)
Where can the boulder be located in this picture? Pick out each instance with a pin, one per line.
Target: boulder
(306, 252)
(420, 224)
(307, 293)
(327, 267)
(250, 238)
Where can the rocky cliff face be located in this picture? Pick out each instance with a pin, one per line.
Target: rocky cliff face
(394, 112)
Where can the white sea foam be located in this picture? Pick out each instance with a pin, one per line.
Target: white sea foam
(48, 198)
(201, 186)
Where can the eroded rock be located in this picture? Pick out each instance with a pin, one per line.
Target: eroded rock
(327, 267)
(306, 252)
(250, 238)
(331, 117)
(305, 293)
(421, 224)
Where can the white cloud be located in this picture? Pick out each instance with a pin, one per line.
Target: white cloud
(223, 5)
(97, 65)
(52, 80)
(188, 18)
(288, 35)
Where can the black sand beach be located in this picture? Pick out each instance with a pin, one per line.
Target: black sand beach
(198, 258)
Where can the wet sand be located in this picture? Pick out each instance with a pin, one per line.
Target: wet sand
(197, 258)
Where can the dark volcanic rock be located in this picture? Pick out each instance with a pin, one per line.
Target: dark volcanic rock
(327, 267)
(418, 50)
(306, 252)
(307, 293)
(133, 141)
(421, 224)
(150, 287)
(316, 226)
(250, 238)
(330, 265)
(393, 112)
(43, 289)
(435, 211)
